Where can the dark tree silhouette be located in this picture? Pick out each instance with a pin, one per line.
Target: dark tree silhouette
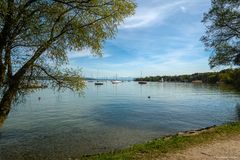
(223, 32)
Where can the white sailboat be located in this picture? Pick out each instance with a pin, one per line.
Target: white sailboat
(116, 81)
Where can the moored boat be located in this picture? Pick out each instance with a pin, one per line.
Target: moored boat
(142, 82)
(98, 83)
(116, 82)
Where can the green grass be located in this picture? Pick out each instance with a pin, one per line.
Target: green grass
(169, 144)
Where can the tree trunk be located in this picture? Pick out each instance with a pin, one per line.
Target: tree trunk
(8, 64)
(2, 68)
(4, 35)
(6, 102)
(9, 95)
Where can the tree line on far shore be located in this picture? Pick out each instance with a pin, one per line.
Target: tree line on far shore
(227, 76)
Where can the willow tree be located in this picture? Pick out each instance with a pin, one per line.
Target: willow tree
(223, 32)
(37, 35)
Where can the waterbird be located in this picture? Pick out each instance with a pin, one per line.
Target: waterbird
(149, 97)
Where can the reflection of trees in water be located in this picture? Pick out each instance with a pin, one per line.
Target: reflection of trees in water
(237, 111)
(20, 97)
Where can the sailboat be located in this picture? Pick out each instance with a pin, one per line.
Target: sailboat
(98, 83)
(116, 81)
(142, 82)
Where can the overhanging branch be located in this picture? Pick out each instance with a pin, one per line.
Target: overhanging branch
(48, 74)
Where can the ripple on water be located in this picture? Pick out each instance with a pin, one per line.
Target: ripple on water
(63, 125)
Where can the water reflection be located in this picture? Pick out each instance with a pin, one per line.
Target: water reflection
(108, 117)
(115, 88)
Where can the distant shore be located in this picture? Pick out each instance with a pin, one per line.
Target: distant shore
(170, 146)
(229, 77)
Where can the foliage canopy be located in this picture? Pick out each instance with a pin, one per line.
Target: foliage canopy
(223, 32)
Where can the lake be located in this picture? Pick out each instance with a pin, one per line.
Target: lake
(61, 125)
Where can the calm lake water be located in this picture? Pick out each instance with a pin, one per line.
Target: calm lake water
(62, 125)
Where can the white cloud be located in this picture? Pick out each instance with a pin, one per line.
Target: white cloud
(77, 54)
(140, 19)
(147, 16)
(85, 53)
(171, 62)
(157, 12)
(164, 50)
(183, 9)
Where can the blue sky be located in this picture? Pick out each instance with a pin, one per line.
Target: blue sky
(162, 38)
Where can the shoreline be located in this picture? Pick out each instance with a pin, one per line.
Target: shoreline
(171, 144)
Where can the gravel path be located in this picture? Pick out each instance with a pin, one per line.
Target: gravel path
(228, 149)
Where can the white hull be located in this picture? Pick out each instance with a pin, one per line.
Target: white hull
(116, 82)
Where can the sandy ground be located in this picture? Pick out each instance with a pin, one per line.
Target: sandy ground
(228, 149)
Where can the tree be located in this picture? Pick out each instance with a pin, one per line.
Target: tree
(36, 36)
(223, 32)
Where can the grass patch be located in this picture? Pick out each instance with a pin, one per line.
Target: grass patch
(170, 144)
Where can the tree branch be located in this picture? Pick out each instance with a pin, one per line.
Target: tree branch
(48, 74)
